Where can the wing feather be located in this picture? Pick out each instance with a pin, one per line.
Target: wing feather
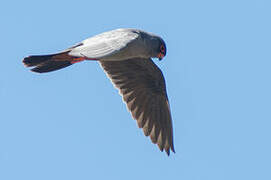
(104, 44)
(142, 86)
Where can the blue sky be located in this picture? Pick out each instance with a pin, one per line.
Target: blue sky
(72, 124)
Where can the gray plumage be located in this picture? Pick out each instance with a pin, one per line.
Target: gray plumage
(125, 55)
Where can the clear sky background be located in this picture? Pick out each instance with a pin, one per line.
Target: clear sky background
(72, 124)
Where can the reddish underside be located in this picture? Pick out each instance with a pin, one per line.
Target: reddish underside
(78, 59)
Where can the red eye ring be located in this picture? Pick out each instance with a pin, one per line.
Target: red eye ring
(162, 48)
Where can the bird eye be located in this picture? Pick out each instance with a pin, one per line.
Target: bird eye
(162, 48)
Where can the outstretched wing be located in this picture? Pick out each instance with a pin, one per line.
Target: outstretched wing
(103, 45)
(142, 85)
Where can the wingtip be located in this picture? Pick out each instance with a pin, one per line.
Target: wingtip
(172, 148)
(167, 150)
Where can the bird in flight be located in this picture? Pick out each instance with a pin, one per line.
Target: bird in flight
(126, 57)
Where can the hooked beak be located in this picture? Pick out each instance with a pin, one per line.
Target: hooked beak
(160, 56)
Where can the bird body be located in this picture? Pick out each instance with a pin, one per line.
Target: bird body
(126, 57)
(116, 45)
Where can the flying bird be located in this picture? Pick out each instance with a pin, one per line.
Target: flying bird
(126, 57)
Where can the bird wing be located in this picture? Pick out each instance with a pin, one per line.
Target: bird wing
(104, 44)
(142, 86)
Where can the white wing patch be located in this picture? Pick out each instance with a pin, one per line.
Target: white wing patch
(104, 44)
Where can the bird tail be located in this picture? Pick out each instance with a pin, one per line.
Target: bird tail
(52, 62)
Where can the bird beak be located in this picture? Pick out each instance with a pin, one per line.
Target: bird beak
(160, 56)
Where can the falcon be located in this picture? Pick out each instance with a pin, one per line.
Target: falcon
(126, 57)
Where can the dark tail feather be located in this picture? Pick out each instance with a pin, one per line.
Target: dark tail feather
(51, 66)
(48, 63)
(35, 60)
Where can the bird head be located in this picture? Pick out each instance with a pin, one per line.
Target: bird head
(162, 49)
